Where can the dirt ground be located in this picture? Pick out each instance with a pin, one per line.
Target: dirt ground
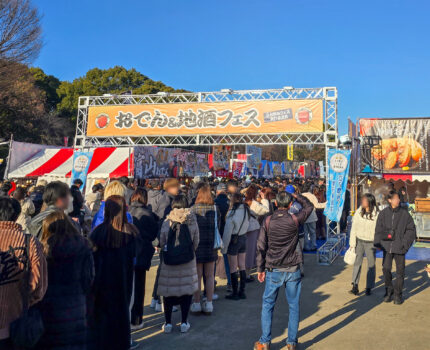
(331, 318)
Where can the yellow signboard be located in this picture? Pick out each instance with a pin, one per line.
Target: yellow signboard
(217, 118)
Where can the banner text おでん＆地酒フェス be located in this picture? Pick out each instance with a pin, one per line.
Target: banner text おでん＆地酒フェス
(217, 118)
(404, 144)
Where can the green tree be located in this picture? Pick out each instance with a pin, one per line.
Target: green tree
(97, 82)
(49, 85)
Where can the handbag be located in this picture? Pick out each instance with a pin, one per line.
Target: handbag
(235, 238)
(26, 331)
(218, 243)
(350, 256)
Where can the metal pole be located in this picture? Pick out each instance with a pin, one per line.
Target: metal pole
(6, 171)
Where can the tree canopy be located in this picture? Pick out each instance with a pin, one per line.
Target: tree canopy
(97, 81)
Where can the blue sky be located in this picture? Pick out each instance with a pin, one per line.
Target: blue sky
(377, 53)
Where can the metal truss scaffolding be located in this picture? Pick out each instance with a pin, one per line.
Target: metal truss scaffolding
(328, 137)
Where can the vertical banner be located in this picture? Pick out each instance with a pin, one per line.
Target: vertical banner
(338, 171)
(221, 158)
(81, 163)
(253, 158)
(290, 152)
(238, 169)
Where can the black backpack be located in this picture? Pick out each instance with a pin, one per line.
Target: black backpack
(179, 248)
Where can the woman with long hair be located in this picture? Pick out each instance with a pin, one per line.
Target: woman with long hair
(205, 212)
(70, 275)
(234, 239)
(115, 245)
(361, 238)
(259, 206)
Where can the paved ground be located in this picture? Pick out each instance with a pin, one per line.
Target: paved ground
(330, 317)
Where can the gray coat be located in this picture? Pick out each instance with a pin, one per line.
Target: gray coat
(178, 280)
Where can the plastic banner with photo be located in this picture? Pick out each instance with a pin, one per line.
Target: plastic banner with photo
(238, 169)
(221, 158)
(266, 169)
(81, 163)
(276, 168)
(154, 162)
(403, 147)
(338, 161)
(253, 158)
(192, 163)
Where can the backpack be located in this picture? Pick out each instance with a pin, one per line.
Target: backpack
(179, 248)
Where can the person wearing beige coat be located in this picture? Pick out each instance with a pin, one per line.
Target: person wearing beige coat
(177, 283)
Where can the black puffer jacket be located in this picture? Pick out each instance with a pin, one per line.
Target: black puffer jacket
(277, 243)
(146, 223)
(63, 309)
(404, 230)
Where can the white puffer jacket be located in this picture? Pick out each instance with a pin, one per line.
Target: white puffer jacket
(362, 228)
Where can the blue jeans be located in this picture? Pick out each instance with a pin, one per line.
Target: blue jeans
(293, 287)
(310, 235)
(227, 268)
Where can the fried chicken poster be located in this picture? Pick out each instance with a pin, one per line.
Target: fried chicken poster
(404, 144)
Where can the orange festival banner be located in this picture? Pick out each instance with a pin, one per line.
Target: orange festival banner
(217, 118)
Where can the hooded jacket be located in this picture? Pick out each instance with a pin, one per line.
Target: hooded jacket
(178, 280)
(278, 238)
(146, 223)
(153, 199)
(401, 222)
(35, 226)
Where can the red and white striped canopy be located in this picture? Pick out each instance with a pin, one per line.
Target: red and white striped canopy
(107, 162)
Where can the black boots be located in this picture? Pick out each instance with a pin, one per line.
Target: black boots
(242, 284)
(398, 299)
(354, 289)
(234, 286)
(238, 291)
(388, 297)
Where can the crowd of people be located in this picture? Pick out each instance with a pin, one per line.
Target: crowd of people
(85, 258)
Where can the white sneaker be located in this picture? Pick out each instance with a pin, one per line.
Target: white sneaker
(167, 328)
(174, 309)
(214, 297)
(153, 303)
(196, 308)
(185, 327)
(207, 308)
(159, 307)
(136, 327)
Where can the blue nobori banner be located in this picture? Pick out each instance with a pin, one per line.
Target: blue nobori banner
(81, 163)
(338, 161)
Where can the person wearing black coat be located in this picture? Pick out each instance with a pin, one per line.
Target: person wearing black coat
(394, 233)
(116, 243)
(146, 223)
(70, 275)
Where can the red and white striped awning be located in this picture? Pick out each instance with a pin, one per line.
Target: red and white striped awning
(106, 162)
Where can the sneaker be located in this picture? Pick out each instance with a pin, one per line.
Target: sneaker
(229, 288)
(207, 308)
(185, 327)
(368, 291)
(261, 346)
(134, 345)
(153, 303)
(175, 309)
(354, 289)
(214, 297)
(196, 308)
(167, 328)
(136, 327)
(159, 307)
